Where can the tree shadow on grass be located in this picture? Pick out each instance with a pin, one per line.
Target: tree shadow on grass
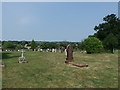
(6, 55)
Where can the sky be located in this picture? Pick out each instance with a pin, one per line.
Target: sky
(53, 21)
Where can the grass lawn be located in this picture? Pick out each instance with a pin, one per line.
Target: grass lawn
(48, 70)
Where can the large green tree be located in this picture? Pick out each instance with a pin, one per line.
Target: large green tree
(110, 26)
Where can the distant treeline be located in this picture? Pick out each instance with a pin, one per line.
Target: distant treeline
(14, 45)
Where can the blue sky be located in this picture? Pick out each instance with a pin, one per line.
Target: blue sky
(53, 21)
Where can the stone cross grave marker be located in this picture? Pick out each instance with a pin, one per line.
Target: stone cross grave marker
(69, 50)
(22, 53)
(22, 58)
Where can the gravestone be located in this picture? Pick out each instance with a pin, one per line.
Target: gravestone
(53, 50)
(38, 49)
(69, 50)
(41, 50)
(22, 58)
(69, 58)
(65, 52)
(59, 50)
(47, 50)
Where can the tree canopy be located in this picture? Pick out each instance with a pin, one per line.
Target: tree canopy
(8, 45)
(108, 30)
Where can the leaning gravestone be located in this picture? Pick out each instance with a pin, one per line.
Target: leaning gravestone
(69, 50)
(22, 58)
(69, 58)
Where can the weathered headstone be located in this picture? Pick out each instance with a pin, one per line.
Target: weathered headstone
(69, 50)
(22, 58)
(69, 58)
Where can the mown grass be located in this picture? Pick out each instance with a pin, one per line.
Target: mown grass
(48, 70)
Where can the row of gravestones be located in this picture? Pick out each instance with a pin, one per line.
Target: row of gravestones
(68, 53)
(49, 50)
(41, 50)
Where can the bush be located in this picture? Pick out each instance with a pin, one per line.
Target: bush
(93, 45)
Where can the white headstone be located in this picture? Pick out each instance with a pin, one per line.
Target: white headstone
(47, 50)
(41, 50)
(65, 52)
(53, 50)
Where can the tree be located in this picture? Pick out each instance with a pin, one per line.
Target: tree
(64, 44)
(8, 45)
(44, 45)
(110, 42)
(51, 45)
(81, 45)
(93, 45)
(111, 26)
(33, 45)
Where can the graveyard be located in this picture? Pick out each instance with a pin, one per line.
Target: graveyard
(91, 63)
(49, 70)
(59, 45)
